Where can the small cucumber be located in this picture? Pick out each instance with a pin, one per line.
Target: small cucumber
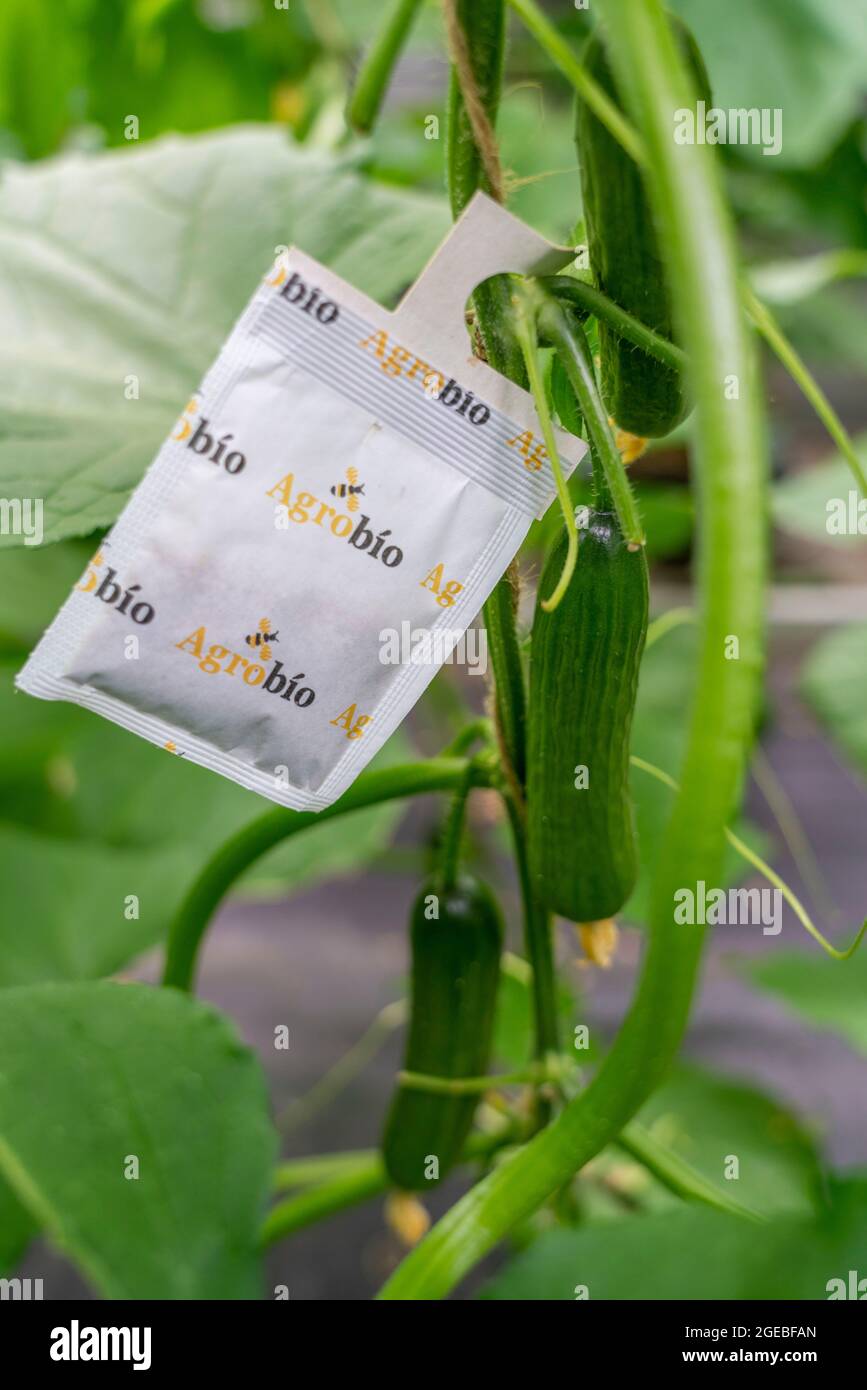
(455, 973)
(584, 663)
(643, 396)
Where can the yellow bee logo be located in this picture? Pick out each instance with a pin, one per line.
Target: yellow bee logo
(262, 639)
(351, 489)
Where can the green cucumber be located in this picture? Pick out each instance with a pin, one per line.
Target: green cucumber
(584, 663)
(643, 396)
(455, 973)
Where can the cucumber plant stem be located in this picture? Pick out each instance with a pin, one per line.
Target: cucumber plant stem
(379, 62)
(588, 298)
(243, 849)
(525, 316)
(686, 191)
(450, 848)
(567, 337)
(352, 1179)
(538, 944)
(485, 29)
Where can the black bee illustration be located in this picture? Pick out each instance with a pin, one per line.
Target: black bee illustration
(262, 639)
(351, 489)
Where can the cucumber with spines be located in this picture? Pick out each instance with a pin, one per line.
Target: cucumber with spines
(584, 663)
(644, 396)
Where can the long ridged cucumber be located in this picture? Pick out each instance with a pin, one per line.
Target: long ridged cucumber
(455, 973)
(584, 665)
(643, 396)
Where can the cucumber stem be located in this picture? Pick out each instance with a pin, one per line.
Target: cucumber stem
(469, 1085)
(379, 63)
(352, 1179)
(525, 327)
(567, 336)
(588, 298)
(450, 847)
(242, 850)
(538, 944)
(485, 30)
(484, 24)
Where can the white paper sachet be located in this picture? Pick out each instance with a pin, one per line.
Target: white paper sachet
(343, 473)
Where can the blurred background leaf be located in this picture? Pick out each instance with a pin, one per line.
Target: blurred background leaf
(800, 502)
(136, 264)
(658, 734)
(706, 1119)
(94, 1074)
(834, 682)
(828, 994)
(804, 56)
(692, 1251)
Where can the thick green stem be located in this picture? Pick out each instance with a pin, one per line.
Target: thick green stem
(590, 300)
(686, 191)
(538, 944)
(242, 850)
(350, 1180)
(308, 1172)
(379, 63)
(484, 23)
(345, 1189)
(510, 695)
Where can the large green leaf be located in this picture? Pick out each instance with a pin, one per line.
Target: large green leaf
(830, 995)
(804, 56)
(135, 263)
(92, 1075)
(834, 681)
(695, 1253)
